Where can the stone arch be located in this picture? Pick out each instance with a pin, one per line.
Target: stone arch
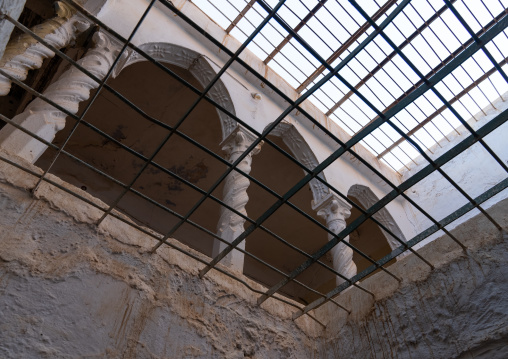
(367, 199)
(304, 154)
(198, 65)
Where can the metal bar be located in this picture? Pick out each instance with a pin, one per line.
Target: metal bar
(447, 156)
(441, 97)
(196, 102)
(438, 67)
(272, 126)
(346, 45)
(391, 56)
(240, 16)
(308, 116)
(417, 239)
(475, 37)
(297, 28)
(324, 164)
(473, 48)
(442, 108)
(163, 169)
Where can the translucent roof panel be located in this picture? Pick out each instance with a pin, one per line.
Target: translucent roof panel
(414, 46)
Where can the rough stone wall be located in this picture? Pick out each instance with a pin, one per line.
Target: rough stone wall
(70, 289)
(458, 310)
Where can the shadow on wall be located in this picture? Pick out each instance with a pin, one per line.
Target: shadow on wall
(369, 237)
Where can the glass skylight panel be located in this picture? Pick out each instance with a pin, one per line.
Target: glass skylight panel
(316, 38)
(376, 94)
(374, 142)
(458, 30)
(421, 11)
(435, 40)
(444, 91)
(394, 34)
(475, 20)
(496, 51)
(220, 11)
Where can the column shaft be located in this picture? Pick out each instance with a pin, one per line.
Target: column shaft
(68, 91)
(230, 224)
(335, 212)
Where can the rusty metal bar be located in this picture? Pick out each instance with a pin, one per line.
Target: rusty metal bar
(444, 62)
(389, 57)
(297, 28)
(347, 44)
(240, 16)
(442, 108)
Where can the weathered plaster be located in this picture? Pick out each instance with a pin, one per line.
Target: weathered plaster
(458, 310)
(68, 288)
(13, 8)
(474, 170)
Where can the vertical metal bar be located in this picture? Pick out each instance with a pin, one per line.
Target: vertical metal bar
(194, 105)
(96, 94)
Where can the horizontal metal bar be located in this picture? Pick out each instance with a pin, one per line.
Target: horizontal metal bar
(297, 28)
(443, 108)
(345, 46)
(412, 242)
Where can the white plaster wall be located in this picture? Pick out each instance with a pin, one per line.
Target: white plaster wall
(162, 26)
(474, 170)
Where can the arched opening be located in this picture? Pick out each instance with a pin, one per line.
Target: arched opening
(369, 237)
(163, 98)
(280, 174)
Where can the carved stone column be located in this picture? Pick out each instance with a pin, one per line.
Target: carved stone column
(71, 88)
(25, 53)
(231, 225)
(335, 211)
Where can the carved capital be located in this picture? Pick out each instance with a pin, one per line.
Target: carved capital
(25, 53)
(71, 88)
(238, 142)
(335, 211)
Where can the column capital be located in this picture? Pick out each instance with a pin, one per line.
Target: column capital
(238, 141)
(332, 205)
(25, 53)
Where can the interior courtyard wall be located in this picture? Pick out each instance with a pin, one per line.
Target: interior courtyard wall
(68, 287)
(458, 310)
(474, 170)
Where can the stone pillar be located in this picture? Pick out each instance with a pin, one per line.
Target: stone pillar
(335, 211)
(231, 225)
(25, 53)
(13, 8)
(71, 88)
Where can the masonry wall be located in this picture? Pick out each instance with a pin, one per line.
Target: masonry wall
(457, 310)
(71, 289)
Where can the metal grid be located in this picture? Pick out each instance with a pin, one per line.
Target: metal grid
(478, 41)
(423, 33)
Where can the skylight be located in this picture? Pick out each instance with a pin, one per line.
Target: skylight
(427, 33)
